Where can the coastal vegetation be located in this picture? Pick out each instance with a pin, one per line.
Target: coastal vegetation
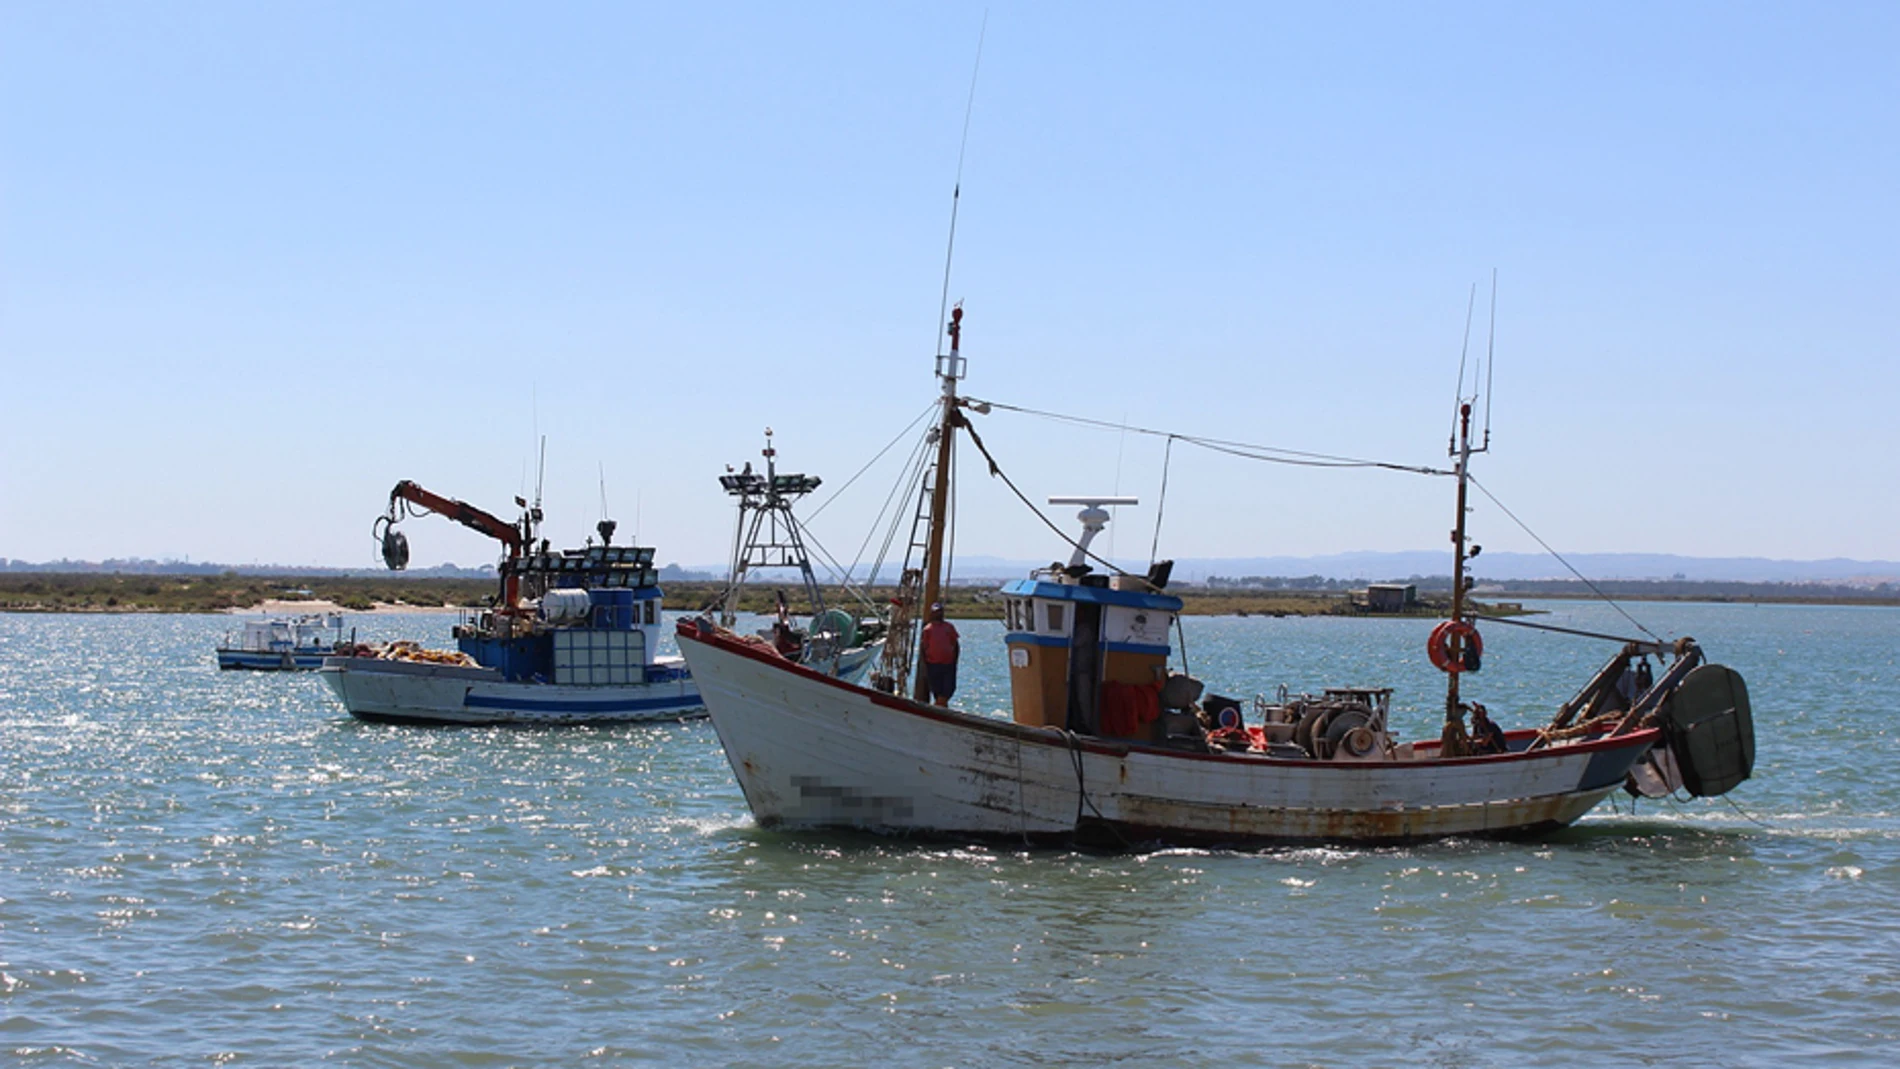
(91, 592)
(52, 592)
(229, 591)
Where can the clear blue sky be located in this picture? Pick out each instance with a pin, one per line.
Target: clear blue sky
(260, 261)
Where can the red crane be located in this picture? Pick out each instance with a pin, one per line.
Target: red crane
(408, 499)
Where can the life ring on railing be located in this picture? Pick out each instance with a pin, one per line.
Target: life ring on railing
(1438, 647)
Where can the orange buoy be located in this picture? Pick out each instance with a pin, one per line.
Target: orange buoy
(1438, 646)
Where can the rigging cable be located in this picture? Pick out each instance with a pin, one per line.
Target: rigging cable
(1047, 522)
(905, 476)
(1607, 600)
(1249, 450)
(950, 524)
(912, 425)
(830, 564)
(1161, 504)
(913, 483)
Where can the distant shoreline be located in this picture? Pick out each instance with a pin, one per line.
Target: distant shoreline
(45, 592)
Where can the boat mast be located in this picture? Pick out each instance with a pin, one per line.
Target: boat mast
(1455, 740)
(1454, 714)
(949, 370)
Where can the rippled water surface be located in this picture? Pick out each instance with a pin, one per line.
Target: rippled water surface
(199, 867)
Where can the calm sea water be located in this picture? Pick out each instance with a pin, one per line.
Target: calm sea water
(200, 868)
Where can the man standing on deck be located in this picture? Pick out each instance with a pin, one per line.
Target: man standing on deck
(941, 650)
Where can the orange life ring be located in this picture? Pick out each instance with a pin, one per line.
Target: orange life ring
(1438, 647)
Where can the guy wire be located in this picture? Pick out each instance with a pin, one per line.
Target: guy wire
(1154, 548)
(1607, 600)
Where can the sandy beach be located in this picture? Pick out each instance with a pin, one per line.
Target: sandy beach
(281, 607)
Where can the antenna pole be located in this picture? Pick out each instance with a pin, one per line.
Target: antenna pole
(956, 191)
(1464, 351)
(1490, 352)
(541, 473)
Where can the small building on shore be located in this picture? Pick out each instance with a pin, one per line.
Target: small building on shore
(1391, 597)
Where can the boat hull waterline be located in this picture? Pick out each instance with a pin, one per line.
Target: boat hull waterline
(408, 692)
(252, 660)
(813, 752)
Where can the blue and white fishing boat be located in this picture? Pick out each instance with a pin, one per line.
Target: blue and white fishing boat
(283, 644)
(573, 637)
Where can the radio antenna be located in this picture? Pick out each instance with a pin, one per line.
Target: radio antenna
(1464, 351)
(541, 472)
(1490, 351)
(956, 191)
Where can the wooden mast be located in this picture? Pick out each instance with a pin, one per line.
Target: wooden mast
(1455, 741)
(949, 370)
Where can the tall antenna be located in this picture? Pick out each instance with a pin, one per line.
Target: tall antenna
(1464, 351)
(956, 191)
(1490, 350)
(603, 489)
(541, 472)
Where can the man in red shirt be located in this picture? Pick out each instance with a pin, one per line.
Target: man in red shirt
(941, 650)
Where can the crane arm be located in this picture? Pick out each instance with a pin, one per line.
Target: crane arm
(460, 511)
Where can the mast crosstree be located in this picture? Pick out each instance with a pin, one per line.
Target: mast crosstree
(767, 534)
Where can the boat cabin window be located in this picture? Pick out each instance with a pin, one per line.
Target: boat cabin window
(1055, 616)
(1017, 610)
(650, 614)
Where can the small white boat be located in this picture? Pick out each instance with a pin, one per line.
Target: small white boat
(283, 644)
(573, 639)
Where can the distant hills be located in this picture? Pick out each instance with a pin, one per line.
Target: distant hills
(1491, 567)
(1362, 566)
(1506, 567)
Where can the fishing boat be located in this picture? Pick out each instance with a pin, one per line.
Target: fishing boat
(768, 534)
(1106, 743)
(282, 643)
(572, 637)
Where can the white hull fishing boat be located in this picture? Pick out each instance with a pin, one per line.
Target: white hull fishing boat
(572, 639)
(1107, 744)
(811, 752)
(283, 644)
